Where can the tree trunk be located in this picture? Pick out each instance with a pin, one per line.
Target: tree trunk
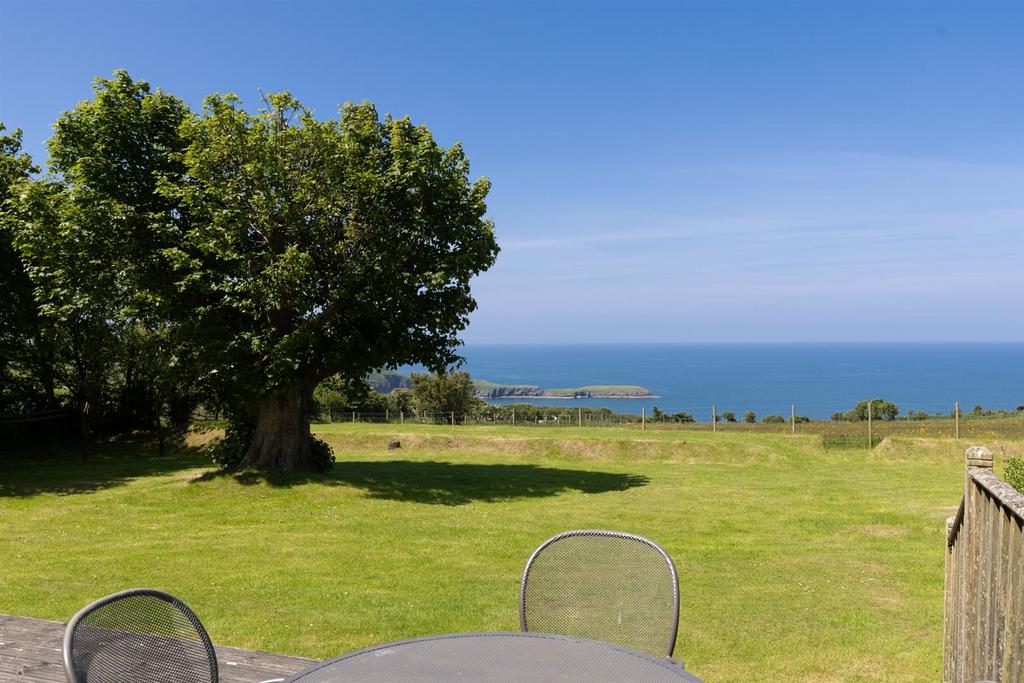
(281, 438)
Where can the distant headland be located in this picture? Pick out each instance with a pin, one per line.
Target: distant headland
(490, 390)
(387, 380)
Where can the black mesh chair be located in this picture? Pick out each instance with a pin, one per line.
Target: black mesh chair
(138, 636)
(602, 585)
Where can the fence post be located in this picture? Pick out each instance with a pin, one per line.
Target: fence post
(714, 419)
(870, 442)
(513, 417)
(453, 418)
(643, 419)
(950, 606)
(792, 418)
(579, 417)
(978, 564)
(387, 416)
(401, 417)
(353, 417)
(956, 419)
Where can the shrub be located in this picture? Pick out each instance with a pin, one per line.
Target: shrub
(750, 417)
(773, 419)
(323, 456)
(880, 410)
(444, 394)
(729, 416)
(1013, 472)
(682, 417)
(230, 450)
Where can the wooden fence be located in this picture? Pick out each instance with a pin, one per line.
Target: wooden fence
(984, 600)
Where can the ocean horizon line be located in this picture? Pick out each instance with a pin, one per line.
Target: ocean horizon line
(930, 343)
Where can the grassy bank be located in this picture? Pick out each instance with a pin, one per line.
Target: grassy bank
(796, 563)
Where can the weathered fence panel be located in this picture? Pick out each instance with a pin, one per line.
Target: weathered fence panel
(983, 629)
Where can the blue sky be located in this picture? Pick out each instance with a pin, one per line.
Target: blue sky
(713, 171)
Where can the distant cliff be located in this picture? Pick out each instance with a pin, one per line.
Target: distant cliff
(485, 389)
(384, 381)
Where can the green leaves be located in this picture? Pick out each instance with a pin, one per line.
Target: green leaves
(262, 250)
(344, 245)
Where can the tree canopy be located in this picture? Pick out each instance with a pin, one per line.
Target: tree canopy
(258, 252)
(447, 395)
(880, 410)
(26, 379)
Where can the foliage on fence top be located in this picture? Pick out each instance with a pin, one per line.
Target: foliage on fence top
(1013, 472)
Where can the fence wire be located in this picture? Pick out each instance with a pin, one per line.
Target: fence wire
(931, 424)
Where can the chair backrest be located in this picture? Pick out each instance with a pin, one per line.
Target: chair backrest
(602, 585)
(138, 636)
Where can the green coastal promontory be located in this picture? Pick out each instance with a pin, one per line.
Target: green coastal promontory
(384, 381)
(490, 390)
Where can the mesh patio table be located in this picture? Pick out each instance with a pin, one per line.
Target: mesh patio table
(499, 656)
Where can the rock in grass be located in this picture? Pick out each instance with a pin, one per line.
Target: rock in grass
(392, 445)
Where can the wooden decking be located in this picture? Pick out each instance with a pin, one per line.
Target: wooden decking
(30, 652)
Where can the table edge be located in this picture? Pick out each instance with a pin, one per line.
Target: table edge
(662, 662)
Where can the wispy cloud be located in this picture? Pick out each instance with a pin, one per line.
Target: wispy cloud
(918, 238)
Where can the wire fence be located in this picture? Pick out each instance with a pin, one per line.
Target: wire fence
(953, 423)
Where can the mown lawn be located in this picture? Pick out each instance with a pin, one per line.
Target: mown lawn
(796, 563)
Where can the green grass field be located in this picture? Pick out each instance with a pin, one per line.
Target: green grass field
(796, 563)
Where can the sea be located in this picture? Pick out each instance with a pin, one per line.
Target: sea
(818, 379)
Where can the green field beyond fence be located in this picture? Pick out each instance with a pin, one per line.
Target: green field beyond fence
(835, 433)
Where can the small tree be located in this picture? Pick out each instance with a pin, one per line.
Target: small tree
(750, 417)
(880, 410)
(401, 401)
(682, 417)
(444, 394)
(729, 416)
(773, 419)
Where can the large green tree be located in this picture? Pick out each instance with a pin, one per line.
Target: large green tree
(316, 248)
(263, 251)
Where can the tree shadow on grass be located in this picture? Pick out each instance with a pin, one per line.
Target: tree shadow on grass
(29, 471)
(447, 483)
